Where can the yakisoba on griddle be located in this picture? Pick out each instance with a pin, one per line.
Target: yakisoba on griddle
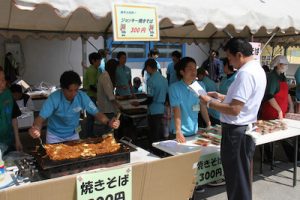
(65, 151)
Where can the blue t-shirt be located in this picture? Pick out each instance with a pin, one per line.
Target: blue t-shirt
(181, 96)
(226, 82)
(297, 77)
(157, 87)
(138, 90)
(63, 115)
(172, 73)
(148, 75)
(123, 78)
(211, 86)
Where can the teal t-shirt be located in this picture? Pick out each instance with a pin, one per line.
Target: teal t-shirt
(181, 96)
(172, 73)
(226, 82)
(297, 77)
(8, 111)
(157, 87)
(211, 86)
(123, 78)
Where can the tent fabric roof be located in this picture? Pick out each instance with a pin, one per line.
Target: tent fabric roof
(180, 21)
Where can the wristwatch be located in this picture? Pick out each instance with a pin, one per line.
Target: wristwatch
(208, 103)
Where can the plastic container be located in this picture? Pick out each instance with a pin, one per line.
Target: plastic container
(2, 167)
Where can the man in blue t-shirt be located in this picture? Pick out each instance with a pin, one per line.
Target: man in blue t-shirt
(62, 109)
(123, 76)
(171, 71)
(154, 54)
(157, 89)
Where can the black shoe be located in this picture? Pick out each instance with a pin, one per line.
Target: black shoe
(199, 189)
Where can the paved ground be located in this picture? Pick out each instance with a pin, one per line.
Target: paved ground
(271, 185)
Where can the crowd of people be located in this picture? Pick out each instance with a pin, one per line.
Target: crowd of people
(238, 92)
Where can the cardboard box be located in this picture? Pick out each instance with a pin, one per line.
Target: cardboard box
(170, 178)
(26, 119)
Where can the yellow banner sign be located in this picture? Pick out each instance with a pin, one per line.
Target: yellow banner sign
(135, 23)
(113, 184)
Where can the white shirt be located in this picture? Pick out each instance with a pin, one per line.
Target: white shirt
(249, 88)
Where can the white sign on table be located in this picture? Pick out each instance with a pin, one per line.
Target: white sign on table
(209, 168)
(104, 185)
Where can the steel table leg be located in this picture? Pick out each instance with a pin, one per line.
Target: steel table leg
(295, 160)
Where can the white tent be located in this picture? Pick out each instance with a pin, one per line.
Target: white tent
(184, 21)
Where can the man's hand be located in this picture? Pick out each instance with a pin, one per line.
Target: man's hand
(19, 146)
(280, 115)
(216, 95)
(114, 123)
(35, 132)
(180, 137)
(205, 98)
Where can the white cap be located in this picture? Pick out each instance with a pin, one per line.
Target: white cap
(280, 59)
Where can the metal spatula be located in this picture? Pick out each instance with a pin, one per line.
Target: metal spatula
(41, 146)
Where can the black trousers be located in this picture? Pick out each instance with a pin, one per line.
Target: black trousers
(156, 127)
(237, 150)
(90, 122)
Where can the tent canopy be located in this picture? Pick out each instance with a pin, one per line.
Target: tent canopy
(180, 21)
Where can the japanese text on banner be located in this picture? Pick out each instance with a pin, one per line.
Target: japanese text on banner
(209, 168)
(113, 184)
(135, 23)
(256, 50)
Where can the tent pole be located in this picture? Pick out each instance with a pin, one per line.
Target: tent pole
(105, 35)
(227, 33)
(200, 48)
(84, 54)
(285, 50)
(269, 40)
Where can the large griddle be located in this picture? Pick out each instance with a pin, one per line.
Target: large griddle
(55, 168)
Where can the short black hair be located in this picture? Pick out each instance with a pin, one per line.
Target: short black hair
(182, 64)
(226, 62)
(120, 54)
(16, 88)
(151, 63)
(235, 45)
(154, 52)
(201, 71)
(101, 52)
(214, 51)
(68, 78)
(176, 54)
(94, 56)
(266, 68)
(137, 80)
